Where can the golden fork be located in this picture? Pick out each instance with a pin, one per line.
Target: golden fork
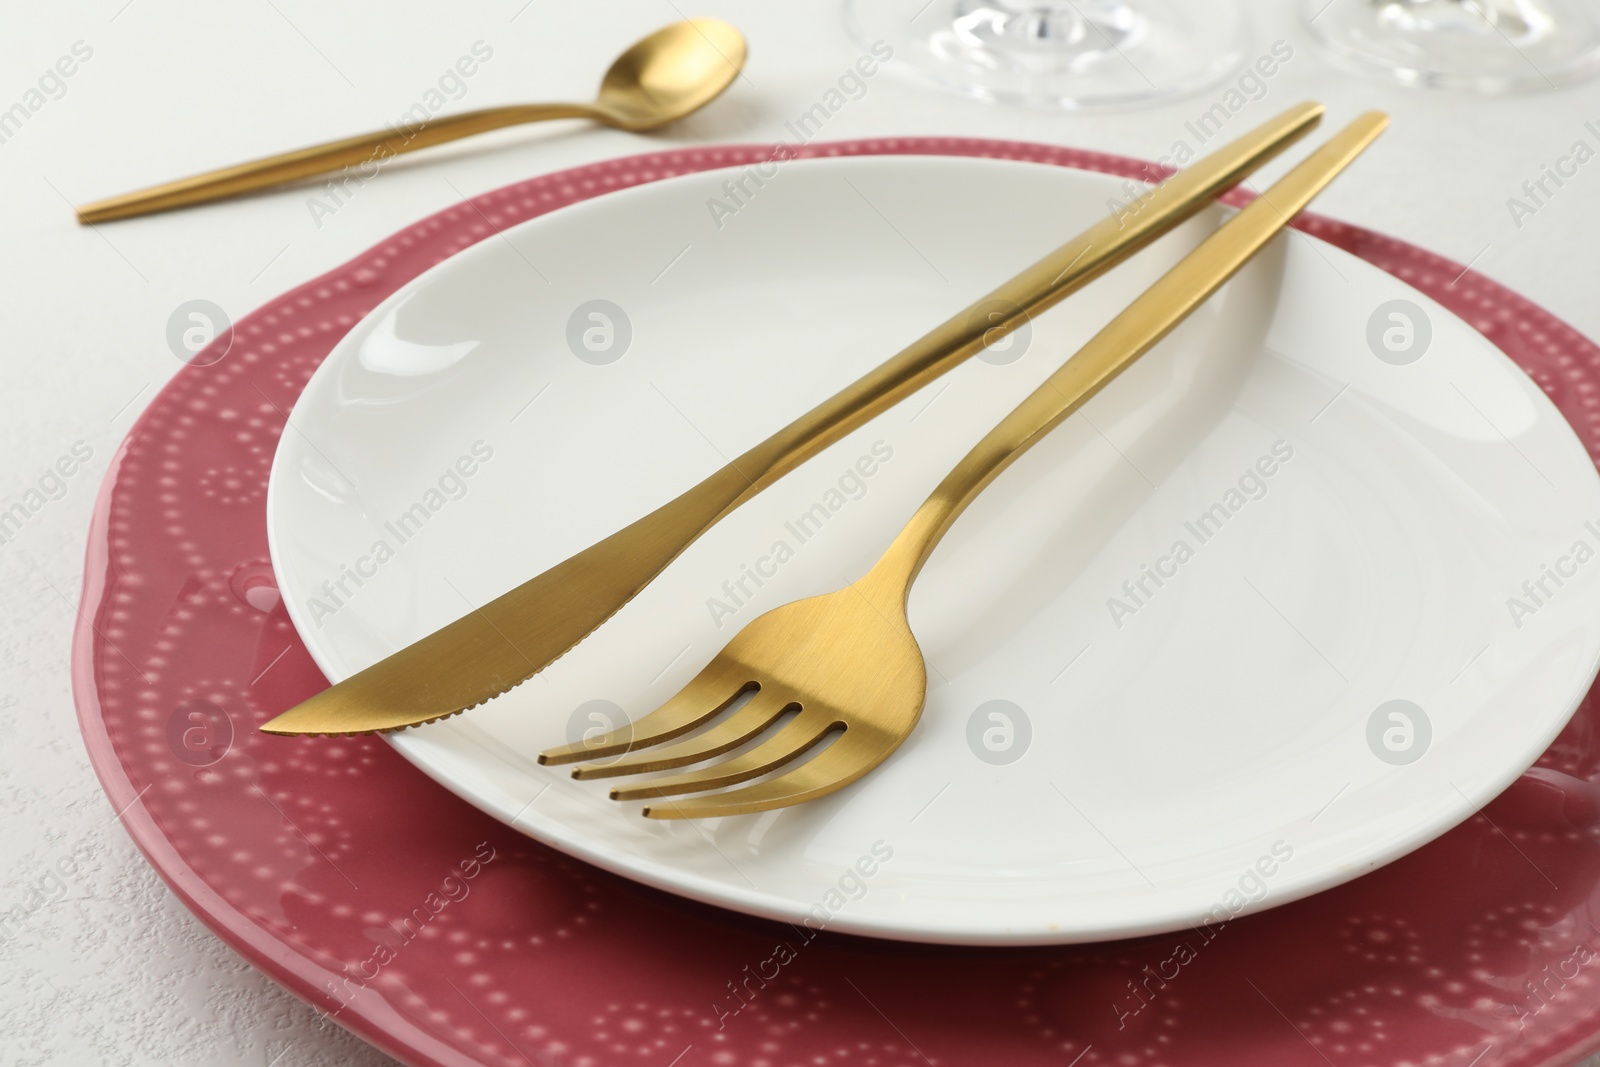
(847, 663)
(674, 71)
(501, 644)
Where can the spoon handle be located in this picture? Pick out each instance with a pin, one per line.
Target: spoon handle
(1137, 329)
(365, 153)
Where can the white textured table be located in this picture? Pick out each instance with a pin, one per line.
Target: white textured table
(107, 966)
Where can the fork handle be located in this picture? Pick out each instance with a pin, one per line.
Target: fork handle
(1130, 335)
(365, 150)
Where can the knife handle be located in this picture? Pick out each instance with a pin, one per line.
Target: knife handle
(1041, 286)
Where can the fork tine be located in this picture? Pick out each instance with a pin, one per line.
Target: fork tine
(761, 711)
(790, 741)
(706, 695)
(844, 761)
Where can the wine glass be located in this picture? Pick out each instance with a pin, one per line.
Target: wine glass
(1068, 54)
(1489, 46)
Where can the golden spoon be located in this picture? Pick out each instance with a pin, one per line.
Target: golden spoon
(667, 75)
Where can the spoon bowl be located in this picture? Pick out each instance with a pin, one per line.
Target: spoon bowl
(671, 73)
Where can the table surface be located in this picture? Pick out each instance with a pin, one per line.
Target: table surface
(114, 969)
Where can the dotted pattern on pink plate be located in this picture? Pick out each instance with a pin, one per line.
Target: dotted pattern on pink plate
(446, 938)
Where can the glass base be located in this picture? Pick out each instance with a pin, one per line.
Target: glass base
(1068, 55)
(1485, 46)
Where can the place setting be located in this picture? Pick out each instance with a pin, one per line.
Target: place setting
(897, 600)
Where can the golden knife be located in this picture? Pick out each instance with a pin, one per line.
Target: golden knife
(513, 637)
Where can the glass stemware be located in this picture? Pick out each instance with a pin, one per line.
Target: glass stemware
(1489, 46)
(1067, 54)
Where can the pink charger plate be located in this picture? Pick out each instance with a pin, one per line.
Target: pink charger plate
(444, 937)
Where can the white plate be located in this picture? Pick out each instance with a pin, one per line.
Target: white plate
(1096, 759)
